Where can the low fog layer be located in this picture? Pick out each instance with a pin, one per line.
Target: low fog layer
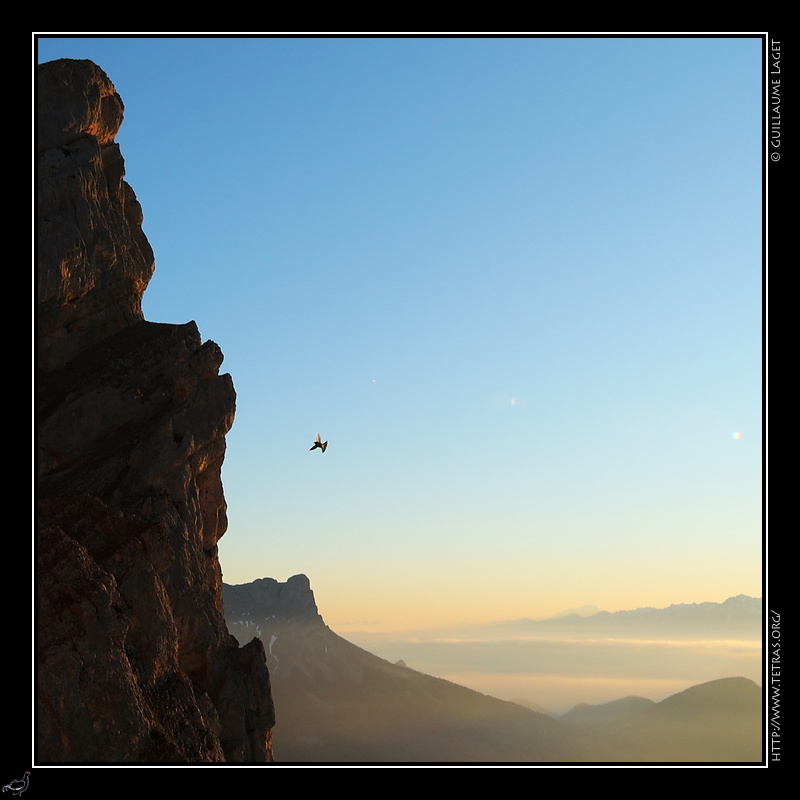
(555, 664)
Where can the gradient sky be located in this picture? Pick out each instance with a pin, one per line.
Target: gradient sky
(514, 282)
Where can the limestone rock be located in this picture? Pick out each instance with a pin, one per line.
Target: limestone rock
(292, 601)
(93, 259)
(135, 663)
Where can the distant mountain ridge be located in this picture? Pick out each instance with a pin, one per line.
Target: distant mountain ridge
(738, 608)
(338, 703)
(737, 617)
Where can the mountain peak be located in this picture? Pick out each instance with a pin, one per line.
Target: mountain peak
(266, 598)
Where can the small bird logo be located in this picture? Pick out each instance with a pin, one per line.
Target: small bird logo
(18, 787)
(319, 443)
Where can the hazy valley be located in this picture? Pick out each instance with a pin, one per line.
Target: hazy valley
(336, 702)
(556, 663)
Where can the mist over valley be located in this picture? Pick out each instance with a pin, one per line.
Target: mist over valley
(561, 661)
(548, 694)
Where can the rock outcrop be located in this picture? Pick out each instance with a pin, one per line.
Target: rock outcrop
(290, 602)
(134, 660)
(338, 703)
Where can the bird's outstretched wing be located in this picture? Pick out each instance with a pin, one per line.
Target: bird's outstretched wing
(318, 443)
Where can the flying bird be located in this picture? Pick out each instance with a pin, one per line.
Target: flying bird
(319, 443)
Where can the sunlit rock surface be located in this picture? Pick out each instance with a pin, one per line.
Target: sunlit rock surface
(135, 663)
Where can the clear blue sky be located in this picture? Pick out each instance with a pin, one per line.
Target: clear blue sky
(514, 282)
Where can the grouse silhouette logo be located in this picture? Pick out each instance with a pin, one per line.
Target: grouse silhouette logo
(18, 787)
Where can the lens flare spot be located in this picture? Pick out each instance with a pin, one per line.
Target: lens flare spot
(502, 401)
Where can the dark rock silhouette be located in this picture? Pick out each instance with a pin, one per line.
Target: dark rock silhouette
(135, 663)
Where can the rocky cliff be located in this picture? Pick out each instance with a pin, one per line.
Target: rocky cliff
(134, 660)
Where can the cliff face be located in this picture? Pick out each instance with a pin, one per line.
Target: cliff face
(134, 660)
